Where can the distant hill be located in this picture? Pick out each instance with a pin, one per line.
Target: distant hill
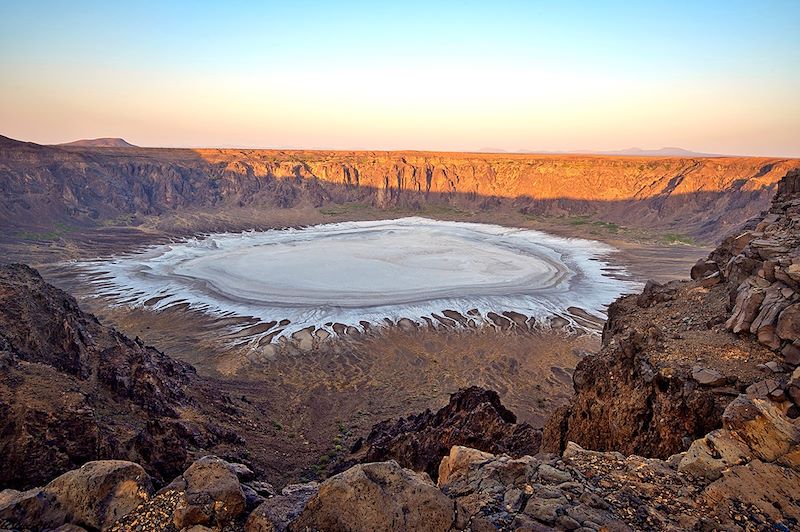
(629, 152)
(663, 152)
(106, 142)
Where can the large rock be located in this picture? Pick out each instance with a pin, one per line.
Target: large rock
(704, 268)
(746, 308)
(101, 492)
(380, 496)
(210, 494)
(94, 496)
(474, 417)
(760, 488)
(31, 509)
(761, 426)
(789, 323)
(712, 454)
(275, 514)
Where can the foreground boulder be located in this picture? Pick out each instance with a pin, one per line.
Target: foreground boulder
(474, 418)
(379, 496)
(210, 494)
(94, 496)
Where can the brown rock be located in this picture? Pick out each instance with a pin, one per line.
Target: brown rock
(791, 354)
(277, 512)
(762, 388)
(767, 488)
(789, 323)
(708, 377)
(32, 509)
(748, 304)
(709, 456)
(762, 427)
(99, 493)
(386, 496)
(211, 494)
(458, 461)
(704, 268)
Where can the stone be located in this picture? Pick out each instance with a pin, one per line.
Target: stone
(746, 308)
(762, 427)
(704, 268)
(387, 498)
(210, 494)
(544, 510)
(791, 354)
(277, 512)
(101, 492)
(32, 509)
(565, 522)
(263, 488)
(760, 487)
(242, 472)
(762, 388)
(458, 462)
(789, 323)
(710, 455)
(551, 474)
(708, 377)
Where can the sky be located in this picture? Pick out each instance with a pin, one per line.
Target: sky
(711, 76)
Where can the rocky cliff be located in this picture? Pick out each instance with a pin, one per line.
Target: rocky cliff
(73, 390)
(89, 187)
(676, 355)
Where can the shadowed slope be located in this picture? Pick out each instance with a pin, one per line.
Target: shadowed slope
(88, 187)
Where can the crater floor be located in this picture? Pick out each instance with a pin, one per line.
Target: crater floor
(353, 271)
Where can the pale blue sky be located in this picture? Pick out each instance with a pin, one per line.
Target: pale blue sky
(710, 76)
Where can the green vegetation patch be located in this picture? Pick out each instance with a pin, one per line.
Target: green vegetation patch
(58, 230)
(678, 238)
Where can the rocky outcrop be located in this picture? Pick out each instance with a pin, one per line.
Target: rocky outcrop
(675, 356)
(210, 494)
(384, 497)
(474, 417)
(590, 490)
(94, 496)
(83, 186)
(73, 390)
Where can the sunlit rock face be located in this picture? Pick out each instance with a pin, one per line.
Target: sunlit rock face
(368, 271)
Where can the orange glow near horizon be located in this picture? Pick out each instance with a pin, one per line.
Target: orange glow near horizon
(473, 87)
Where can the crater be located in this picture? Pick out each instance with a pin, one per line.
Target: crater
(354, 272)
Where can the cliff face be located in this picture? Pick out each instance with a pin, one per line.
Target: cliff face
(73, 390)
(84, 186)
(675, 356)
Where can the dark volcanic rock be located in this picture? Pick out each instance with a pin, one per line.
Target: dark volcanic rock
(73, 390)
(474, 417)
